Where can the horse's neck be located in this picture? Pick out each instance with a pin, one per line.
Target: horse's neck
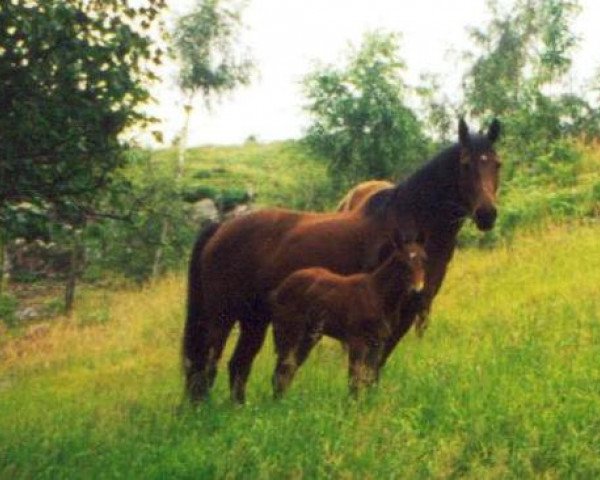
(376, 234)
(432, 197)
(433, 193)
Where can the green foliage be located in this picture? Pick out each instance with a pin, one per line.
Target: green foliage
(127, 245)
(519, 73)
(225, 199)
(596, 192)
(206, 42)
(361, 122)
(534, 201)
(436, 109)
(198, 192)
(525, 55)
(71, 76)
(283, 174)
(8, 309)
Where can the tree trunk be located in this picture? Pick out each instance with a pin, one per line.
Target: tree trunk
(74, 271)
(159, 250)
(183, 141)
(181, 149)
(3, 264)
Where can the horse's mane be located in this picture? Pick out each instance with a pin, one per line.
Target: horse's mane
(378, 204)
(433, 189)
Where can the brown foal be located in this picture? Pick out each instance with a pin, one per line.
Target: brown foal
(353, 308)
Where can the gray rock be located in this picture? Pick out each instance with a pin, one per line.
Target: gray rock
(205, 209)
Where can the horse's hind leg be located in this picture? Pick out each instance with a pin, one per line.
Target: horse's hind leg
(252, 336)
(201, 375)
(217, 338)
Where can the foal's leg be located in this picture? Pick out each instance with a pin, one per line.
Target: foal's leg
(373, 361)
(310, 339)
(288, 330)
(294, 340)
(252, 337)
(287, 365)
(361, 370)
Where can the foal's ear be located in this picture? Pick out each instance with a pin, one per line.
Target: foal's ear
(494, 131)
(463, 133)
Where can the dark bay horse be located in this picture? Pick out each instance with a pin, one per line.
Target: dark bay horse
(234, 266)
(357, 309)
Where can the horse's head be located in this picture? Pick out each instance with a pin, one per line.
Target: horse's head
(479, 167)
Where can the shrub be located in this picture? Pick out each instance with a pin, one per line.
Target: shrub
(8, 309)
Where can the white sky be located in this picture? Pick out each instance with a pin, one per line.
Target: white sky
(286, 37)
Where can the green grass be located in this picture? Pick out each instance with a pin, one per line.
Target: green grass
(505, 384)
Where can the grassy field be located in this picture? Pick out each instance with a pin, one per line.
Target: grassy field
(506, 383)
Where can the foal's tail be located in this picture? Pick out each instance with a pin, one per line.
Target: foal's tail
(193, 333)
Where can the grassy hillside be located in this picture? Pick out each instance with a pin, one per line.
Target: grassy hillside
(506, 383)
(280, 173)
(286, 174)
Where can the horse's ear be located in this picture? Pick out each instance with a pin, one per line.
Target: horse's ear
(494, 131)
(463, 133)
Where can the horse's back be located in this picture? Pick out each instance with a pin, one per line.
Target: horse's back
(297, 285)
(356, 197)
(250, 255)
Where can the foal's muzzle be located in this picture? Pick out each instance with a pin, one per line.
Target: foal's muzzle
(485, 218)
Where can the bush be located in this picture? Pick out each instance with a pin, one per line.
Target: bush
(194, 193)
(8, 309)
(362, 123)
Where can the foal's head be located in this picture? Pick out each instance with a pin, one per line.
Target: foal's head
(479, 167)
(407, 248)
(413, 255)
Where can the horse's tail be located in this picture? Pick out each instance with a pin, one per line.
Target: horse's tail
(193, 334)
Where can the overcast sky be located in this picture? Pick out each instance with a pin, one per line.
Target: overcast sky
(286, 37)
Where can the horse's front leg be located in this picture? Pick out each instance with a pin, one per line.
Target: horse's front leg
(287, 365)
(437, 263)
(401, 322)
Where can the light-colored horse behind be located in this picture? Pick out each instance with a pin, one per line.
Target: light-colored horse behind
(359, 194)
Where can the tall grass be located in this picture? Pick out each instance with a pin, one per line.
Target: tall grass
(506, 383)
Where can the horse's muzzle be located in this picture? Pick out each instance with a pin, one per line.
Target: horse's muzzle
(485, 218)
